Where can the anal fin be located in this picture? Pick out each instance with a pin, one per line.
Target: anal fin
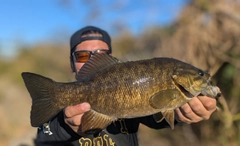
(94, 122)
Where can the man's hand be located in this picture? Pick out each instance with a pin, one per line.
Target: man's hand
(198, 109)
(73, 115)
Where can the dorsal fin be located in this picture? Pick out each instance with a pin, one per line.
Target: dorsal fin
(95, 64)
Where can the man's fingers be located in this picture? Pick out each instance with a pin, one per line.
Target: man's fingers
(198, 108)
(187, 115)
(208, 103)
(75, 110)
(180, 117)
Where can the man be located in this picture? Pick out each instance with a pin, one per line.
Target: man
(64, 128)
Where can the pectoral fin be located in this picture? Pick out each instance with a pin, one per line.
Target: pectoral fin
(169, 117)
(93, 122)
(164, 99)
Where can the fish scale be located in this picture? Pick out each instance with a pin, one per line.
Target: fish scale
(119, 94)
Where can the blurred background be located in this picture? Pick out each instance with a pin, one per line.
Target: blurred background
(34, 37)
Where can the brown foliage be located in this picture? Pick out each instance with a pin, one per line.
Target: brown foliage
(206, 37)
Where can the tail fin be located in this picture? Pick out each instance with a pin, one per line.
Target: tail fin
(44, 103)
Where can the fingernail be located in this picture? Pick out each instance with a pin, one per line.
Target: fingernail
(85, 106)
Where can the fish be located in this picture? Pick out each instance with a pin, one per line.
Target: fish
(119, 90)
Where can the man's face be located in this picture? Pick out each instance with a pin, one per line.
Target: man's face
(89, 45)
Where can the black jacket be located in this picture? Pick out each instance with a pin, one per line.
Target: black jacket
(120, 133)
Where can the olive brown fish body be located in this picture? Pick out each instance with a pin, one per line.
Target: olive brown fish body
(124, 90)
(119, 90)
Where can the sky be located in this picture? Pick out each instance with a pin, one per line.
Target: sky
(33, 21)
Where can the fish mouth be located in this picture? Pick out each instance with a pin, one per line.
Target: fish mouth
(208, 90)
(187, 93)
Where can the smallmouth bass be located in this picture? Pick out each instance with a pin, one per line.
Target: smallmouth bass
(118, 90)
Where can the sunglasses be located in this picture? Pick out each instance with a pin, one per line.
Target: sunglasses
(83, 56)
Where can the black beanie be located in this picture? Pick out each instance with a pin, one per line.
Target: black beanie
(77, 37)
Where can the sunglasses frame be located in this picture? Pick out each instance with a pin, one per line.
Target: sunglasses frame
(90, 53)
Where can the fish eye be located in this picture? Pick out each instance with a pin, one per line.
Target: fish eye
(200, 72)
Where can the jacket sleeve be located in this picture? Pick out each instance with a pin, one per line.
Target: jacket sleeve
(55, 132)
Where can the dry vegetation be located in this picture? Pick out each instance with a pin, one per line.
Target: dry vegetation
(207, 35)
